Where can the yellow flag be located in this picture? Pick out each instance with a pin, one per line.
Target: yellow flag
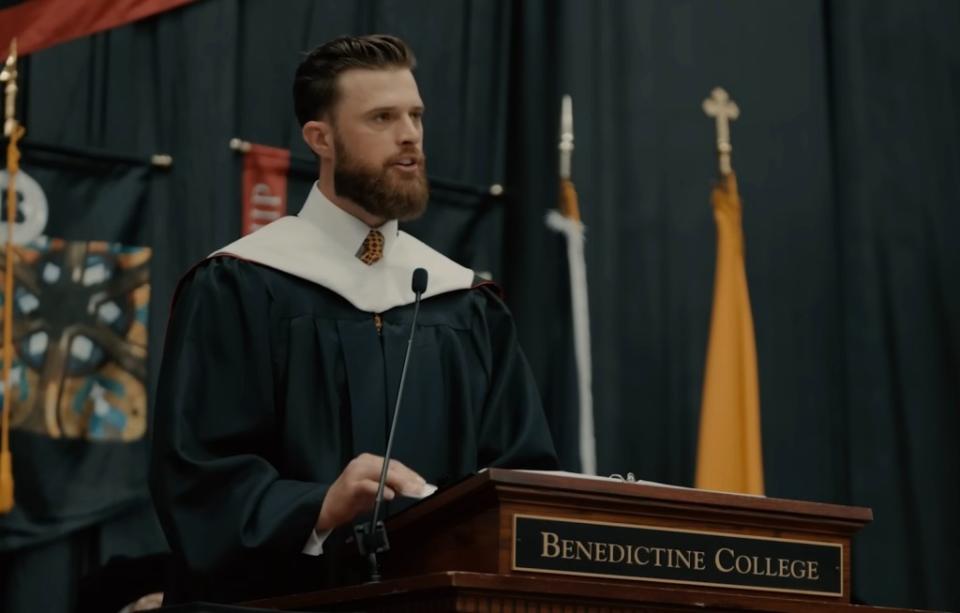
(729, 453)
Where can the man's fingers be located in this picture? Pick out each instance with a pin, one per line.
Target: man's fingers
(406, 473)
(407, 484)
(366, 464)
(399, 477)
(366, 491)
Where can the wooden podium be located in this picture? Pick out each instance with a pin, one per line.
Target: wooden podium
(507, 540)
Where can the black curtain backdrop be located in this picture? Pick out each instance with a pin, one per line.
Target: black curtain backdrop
(895, 79)
(848, 162)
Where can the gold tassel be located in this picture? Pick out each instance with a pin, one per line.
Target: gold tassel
(6, 482)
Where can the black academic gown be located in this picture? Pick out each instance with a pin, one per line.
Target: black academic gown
(271, 384)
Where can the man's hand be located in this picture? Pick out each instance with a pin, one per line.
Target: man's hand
(355, 490)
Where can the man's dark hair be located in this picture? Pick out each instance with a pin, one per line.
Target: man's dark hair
(315, 85)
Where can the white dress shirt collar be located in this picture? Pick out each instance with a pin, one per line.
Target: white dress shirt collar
(343, 228)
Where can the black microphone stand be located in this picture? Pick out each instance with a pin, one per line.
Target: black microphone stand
(372, 537)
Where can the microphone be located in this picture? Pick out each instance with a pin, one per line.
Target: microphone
(372, 537)
(419, 282)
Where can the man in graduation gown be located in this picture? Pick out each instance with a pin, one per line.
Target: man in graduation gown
(284, 350)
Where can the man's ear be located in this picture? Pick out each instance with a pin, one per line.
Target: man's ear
(319, 137)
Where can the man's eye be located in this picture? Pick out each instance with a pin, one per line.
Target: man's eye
(381, 117)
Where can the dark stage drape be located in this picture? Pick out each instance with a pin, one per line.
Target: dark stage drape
(848, 165)
(895, 81)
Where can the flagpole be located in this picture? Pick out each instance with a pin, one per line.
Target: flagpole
(14, 132)
(567, 221)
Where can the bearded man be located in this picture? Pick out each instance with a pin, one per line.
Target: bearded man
(284, 349)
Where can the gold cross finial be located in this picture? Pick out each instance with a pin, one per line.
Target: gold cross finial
(723, 109)
(9, 76)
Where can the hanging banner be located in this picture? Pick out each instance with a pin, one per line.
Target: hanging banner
(79, 374)
(38, 24)
(265, 172)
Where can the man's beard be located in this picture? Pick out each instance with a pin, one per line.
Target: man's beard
(386, 194)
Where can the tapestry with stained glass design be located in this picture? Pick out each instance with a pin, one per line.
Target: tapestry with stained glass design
(80, 340)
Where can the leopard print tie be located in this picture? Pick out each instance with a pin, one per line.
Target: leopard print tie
(371, 250)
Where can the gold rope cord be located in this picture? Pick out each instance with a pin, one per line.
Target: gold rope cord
(15, 132)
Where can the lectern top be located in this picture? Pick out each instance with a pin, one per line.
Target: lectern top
(499, 484)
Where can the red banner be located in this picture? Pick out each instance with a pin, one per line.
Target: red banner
(264, 186)
(38, 24)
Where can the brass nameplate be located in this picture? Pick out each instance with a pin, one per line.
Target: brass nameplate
(669, 555)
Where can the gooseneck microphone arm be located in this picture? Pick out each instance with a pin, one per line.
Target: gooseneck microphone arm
(372, 537)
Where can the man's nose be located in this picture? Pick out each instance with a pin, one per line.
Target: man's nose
(409, 131)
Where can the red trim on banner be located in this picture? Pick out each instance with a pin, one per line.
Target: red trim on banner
(264, 186)
(38, 24)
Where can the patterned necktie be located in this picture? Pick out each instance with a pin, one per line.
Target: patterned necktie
(371, 250)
